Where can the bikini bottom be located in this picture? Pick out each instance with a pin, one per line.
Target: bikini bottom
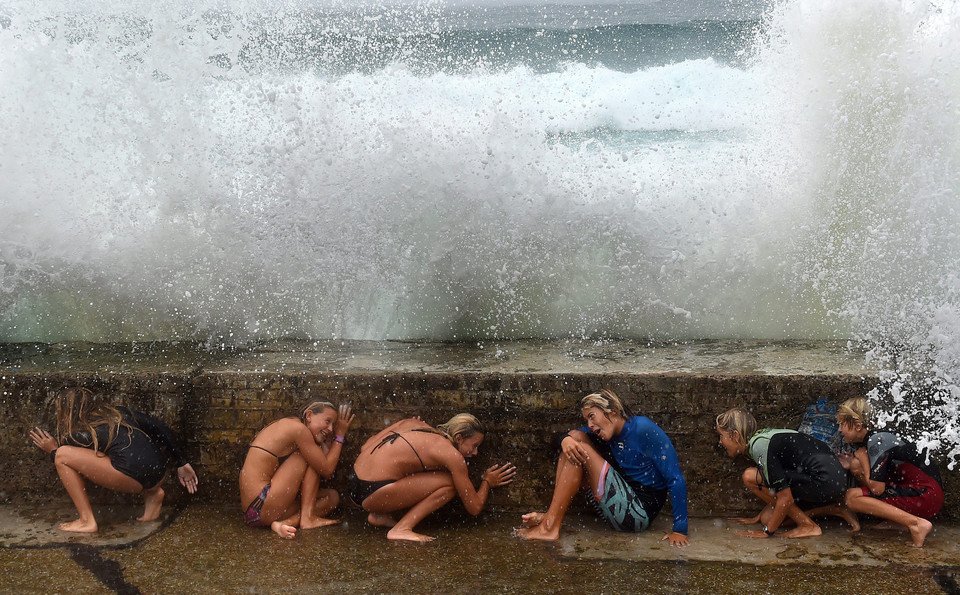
(252, 515)
(361, 489)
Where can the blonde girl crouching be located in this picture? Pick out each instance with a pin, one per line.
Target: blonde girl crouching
(795, 472)
(286, 459)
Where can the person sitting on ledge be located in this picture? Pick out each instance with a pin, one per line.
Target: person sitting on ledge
(287, 458)
(413, 467)
(797, 475)
(896, 482)
(114, 447)
(626, 461)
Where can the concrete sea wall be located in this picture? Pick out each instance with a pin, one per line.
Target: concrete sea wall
(523, 392)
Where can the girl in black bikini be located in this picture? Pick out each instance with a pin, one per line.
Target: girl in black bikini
(413, 467)
(114, 447)
(287, 459)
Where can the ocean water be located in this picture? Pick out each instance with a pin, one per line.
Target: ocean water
(232, 172)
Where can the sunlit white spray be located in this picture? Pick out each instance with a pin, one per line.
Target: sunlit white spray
(171, 172)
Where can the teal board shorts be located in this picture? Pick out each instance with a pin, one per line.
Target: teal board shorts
(617, 502)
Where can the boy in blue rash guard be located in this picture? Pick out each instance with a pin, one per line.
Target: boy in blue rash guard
(626, 461)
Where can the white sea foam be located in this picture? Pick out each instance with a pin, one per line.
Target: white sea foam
(874, 91)
(153, 187)
(184, 200)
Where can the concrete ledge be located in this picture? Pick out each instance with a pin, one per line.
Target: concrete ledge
(522, 391)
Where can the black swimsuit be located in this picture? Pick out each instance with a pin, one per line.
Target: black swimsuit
(361, 489)
(141, 453)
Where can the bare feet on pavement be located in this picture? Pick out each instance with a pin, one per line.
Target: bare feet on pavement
(407, 535)
(80, 526)
(804, 530)
(919, 531)
(532, 519)
(284, 531)
(316, 522)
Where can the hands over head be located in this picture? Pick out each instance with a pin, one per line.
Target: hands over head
(344, 419)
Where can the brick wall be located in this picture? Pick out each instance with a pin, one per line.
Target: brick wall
(217, 414)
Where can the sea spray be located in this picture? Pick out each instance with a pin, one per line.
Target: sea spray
(543, 171)
(178, 177)
(875, 95)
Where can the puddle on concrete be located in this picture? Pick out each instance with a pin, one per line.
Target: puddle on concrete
(37, 526)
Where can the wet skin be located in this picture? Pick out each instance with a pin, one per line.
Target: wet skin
(578, 465)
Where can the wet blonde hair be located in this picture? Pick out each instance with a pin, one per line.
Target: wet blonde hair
(461, 424)
(738, 420)
(855, 410)
(607, 401)
(78, 411)
(315, 407)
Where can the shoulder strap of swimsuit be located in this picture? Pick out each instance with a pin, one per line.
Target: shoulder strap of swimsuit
(392, 437)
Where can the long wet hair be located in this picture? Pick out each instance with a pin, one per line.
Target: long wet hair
(855, 410)
(738, 420)
(461, 424)
(607, 401)
(78, 411)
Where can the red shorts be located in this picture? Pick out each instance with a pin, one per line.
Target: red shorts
(905, 475)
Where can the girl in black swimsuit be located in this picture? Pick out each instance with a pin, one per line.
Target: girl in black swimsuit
(796, 475)
(115, 447)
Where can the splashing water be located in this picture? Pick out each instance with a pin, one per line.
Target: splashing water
(876, 97)
(531, 171)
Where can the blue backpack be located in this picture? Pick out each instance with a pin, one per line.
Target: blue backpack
(820, 421)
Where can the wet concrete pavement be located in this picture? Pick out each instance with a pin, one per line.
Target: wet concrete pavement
(206, 548)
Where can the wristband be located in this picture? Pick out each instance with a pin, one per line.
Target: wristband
(338, 438)
(768, 531)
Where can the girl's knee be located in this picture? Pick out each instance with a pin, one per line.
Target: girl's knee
(331, 496)
(65, 455)
(751, 477)
(851, 495)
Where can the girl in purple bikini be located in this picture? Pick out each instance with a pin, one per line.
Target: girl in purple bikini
(288, 458)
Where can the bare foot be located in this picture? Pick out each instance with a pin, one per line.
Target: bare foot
(315, 522)
(381, 520)
(851, 518)
(152, 502)
(284, 531)
(80, 526)
(532, 519)
(804, 530)
(919, 531)
(541, 532)
(407, 535)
